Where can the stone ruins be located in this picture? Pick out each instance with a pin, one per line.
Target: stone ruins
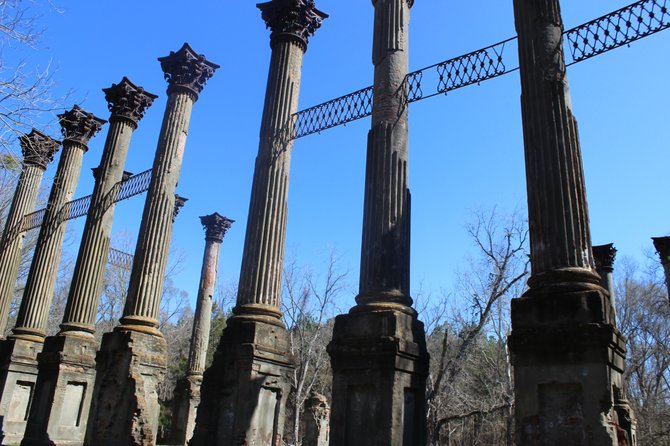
(68, 389)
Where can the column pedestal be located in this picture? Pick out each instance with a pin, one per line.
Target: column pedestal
(18, 374)
(63, 392)
(187, 400)
(125, 404)
(568, 362)
(246, 387)
(380, 366)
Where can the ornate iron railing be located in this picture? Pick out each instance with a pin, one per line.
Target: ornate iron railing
(618, 28)
(606, 33)
(121, 259)
(134, 185)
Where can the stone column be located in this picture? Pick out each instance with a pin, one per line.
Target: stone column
(662, 245)
(245, 390)
(19, 352)
(603, 256)
(38, 151)
(378, 352)
(67, 362)
(567, 353)
(131, 361)
(187, 394)
(316, 418)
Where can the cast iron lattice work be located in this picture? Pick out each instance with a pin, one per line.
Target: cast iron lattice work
(120, 259)
(134, 185)
(606, 33)
(618, 28)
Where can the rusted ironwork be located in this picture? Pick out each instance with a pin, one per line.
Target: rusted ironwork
(134, 185)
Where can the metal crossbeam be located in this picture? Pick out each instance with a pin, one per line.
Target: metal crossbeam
(121, 259)
(134, 185)
(616, 29)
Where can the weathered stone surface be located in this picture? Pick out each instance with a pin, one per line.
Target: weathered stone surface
(567, 353)
(63, 392)
(186, 402)
(77, 127)
(132, 359)
(187, 393)
(245, 391)
(38, 151)
(125, 408)
(59, 414)
(316, 418)
(18, 373)
(378, 352)
(379, 374)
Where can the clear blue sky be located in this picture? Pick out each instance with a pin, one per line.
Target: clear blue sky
(466, 148)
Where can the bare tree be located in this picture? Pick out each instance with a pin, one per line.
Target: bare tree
(26, 98)
(470, 373)
(644, 319)
(308, 306)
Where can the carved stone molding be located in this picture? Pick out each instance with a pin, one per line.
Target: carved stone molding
(179, 203)
(79, 126)
(127, 100)
(662, 245)
(604, 256)
(187, 70)
(216, 226)
(298, 19)
(38, 149)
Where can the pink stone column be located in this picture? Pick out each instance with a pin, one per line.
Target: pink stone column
(187, 392)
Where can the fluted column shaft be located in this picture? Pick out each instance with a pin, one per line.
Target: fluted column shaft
(560, 240)
(147, 278)
(203, 309)
(84, 296)
(39, 291)
(604, 256)
(263, 257)
(386, 213)
(25, 198)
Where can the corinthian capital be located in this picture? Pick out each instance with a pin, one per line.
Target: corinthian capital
(38, 149)
(662, 245)
(79, 126)
(187, 70)
(298, 19)
(216, 226)
(179, 203)
(127, 100)
(604, 256)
